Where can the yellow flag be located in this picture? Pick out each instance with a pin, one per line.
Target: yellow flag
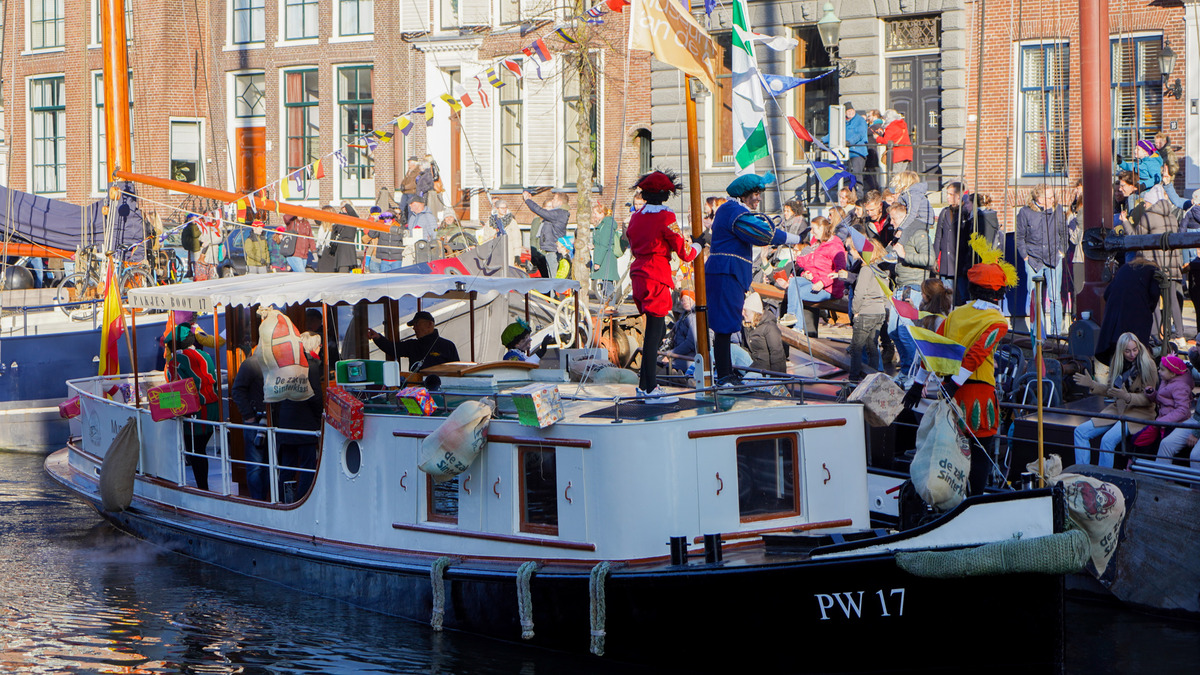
(455, 106)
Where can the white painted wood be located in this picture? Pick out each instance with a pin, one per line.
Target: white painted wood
(414, 16)
(543, 129)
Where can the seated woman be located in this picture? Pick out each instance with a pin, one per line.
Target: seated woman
(516, 339)
(815, 271)
(1132, 376)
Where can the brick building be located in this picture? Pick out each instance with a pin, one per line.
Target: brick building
(235, 94)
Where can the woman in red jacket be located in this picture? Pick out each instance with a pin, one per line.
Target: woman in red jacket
(815, 273)
(895, 131)
(653, 236)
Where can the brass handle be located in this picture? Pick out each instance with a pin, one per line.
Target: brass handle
(721, 483)
(402, 485)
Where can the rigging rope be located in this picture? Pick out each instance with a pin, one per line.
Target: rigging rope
(596, 605)
(436, 572)
(525, 598)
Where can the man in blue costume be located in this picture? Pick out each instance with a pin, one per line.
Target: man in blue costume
(729, 268)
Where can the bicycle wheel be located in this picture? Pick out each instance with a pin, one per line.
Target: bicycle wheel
(137, 276)
(78, 287)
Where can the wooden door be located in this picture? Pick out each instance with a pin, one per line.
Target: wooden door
(251, 157)
(915, 90)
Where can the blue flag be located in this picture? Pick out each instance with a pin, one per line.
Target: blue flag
(777, 84)
(830, 174)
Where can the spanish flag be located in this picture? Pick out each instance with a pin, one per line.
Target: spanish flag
(940, 355)
(113, 324)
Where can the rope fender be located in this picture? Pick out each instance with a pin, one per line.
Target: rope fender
(436, 572)
(525, 598)
(596, 608)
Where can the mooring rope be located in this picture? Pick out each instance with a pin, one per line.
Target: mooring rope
(439, 591)
(525, 598)
(596, 608)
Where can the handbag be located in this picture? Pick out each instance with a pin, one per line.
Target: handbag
(69, 408)
(173, 399)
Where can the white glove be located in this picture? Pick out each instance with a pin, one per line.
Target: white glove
(792, 239)
(697, 247)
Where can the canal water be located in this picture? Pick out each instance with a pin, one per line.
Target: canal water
(77, 596)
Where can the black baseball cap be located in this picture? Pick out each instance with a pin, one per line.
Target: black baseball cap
(420, 315)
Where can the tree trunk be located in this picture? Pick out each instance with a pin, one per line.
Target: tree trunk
(584, 163)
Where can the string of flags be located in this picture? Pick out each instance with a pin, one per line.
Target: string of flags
(295, 184)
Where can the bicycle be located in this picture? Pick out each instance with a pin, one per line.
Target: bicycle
(79, 293)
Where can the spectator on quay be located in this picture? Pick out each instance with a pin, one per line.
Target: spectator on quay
(408, 187)
(1147, 164)
(1191, 223)
(256, 250)
(915, 261)
(794, 221)
(867, 303)
(1131, 379)
(607, 241)
(1130, 300)
(1168, 185)
(763, 339)
(554, 226)
(1162, 143)
(506, 225)
(952, 240)
(370, 241)
(425, 349)
(711, 204)
(814, 275)
(876, 218)
(302, 235)
(1158, 218)
(856, 140)
(322, 238)
(1041, 237)
(565, 247)
(278, 248)
(911, 191)
(421, 222)
(339, 255)
(682, 347)
(895, 131)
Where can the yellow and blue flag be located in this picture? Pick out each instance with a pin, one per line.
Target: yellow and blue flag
(940, 355)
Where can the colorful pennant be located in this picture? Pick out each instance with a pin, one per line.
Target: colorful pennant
(404, 125)
(455, 106)
(494, 78)
(513, 67)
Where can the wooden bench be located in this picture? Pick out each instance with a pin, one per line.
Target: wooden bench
(811, 318)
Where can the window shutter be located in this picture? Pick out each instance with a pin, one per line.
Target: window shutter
(543, 126)
(414, 16)
(478, 135)
(474, 12)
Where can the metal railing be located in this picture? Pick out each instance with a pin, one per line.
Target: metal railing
(25, 310)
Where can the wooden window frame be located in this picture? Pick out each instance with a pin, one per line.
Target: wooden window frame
(796, 511)
(430, 515)
(525, 526)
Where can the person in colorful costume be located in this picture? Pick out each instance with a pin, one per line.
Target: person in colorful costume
(979, 326)
(729, 269)
(516, 338)
(654, 234)
(188, 362)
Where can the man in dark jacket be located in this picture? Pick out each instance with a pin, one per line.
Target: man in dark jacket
(298, 452)
(389, 248)
(247, 395)
(1041, 236)
(425, 350)
(554, 226)
(952, 240)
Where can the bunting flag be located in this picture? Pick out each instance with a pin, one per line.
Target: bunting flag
(777, 84)
(250, 204)
(297, 182)
(404, 125)
(831, 174)
(494, 78)
(617, 6)
(340, 157)
(285, 189)
(513, 67)
(940, 355)
(483, 98)
(777, 43)
(538, 50)
(562, 33)
(319, 170)
(799, 129)
(749, 126)
(385, 136)
(455, 106)
(240, 209)
(372, 144)
(479, 81)
(596, 12)
(113, 324)
(429, 114)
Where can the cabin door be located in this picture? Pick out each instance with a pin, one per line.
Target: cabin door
(251, 157)
(915, 90)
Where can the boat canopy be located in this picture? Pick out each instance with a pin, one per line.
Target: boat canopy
(289, 289)
(63, 225)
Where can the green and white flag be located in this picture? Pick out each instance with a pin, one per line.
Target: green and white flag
(749, 130)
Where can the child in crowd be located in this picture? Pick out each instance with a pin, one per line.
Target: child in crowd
(1173, 396)
(1147, 164)
(867, 302)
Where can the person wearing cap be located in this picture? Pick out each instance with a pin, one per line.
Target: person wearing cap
(1181, 438)
(856, 141)
(565, 247)
(979, 326)
(186, 362)
(370, 241)
(729, 268)
(654, 235)
(256, 250)
(1147, 164)
(277, 247)
(516, 338)
(426, 349)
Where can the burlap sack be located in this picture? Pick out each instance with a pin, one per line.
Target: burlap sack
(285, 365)
(942, 463)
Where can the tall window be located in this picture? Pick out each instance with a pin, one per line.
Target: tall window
(1045, 74)
(1136, 91)
(510, 11)
(301, 19)
(721, 124)
(539, 490)
(356, 17)
(249, 95)
(301, 106)
(102, 132)
(767, 477)
(811, 101)
(448, 11)
(247, 21)
(48, 114)
(97, 5)
(572, 109)
(512, 116)
(187, 151)
(356, 114)
(46, 22)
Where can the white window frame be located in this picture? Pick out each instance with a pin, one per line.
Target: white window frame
(336, 13)
(94, 33)
(230, 45)
(497, 120)
(29, 185)
(331, 165)
(337, 134)
(560, 178)
(99, 188)
(199, 122)
(27, 28)
(497, 6)
(282, 40)
(1018, 130)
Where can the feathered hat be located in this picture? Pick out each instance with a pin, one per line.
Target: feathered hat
(659, 181)
(993, 271)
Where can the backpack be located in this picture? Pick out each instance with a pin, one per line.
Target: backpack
(189, 238)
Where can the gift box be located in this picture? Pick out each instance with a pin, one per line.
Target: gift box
(344, 412)
(173, 399)
(882, 399)
(416, 400)
(538, 405)
(69, 408)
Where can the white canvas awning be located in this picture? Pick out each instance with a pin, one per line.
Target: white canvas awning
(289, 289)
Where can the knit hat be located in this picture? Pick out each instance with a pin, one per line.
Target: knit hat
(568, 242)
(513, 332)
(1148, 146)
(993, 272)
(1174, 364)
(753, 303)
(375, 209)
(749, 183)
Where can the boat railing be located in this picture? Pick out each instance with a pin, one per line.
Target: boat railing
(88, 388)
(25, 310)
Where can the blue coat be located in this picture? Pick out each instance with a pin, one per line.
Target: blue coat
(856, 136)
(1149, 170)
(729, 269)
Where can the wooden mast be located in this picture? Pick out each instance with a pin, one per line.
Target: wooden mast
(116, 86)
(697, 231)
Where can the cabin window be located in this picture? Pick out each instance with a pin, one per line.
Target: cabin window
(767, 477)
(356, 107)
(102, 133)
(303, 123)
(1045, 78)
(573, 108)
(187, 150)
(441, 504)
(512, 112)
(301, 21)
(48, 112)
(1137, 92)
(248, 21)
(46, 21)
(539, 490)
(356, 17)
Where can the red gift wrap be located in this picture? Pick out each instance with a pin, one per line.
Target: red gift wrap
(344, 412)
(173, 399)
(69, 408)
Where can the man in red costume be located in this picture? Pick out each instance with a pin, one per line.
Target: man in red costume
(653, 236)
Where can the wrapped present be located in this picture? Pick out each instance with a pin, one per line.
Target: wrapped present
(538, 405)
(173, 399)
(69, 408)
(881, 397)
(416, 400)
(344, 412)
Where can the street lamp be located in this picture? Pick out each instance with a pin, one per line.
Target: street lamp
(1166, 64)
(829, 27)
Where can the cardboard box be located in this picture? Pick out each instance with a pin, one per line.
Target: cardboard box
(882, 399)
(344, 412)
(417, 401)
(538, 405)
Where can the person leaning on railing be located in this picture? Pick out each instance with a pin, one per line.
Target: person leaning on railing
(1132, 375)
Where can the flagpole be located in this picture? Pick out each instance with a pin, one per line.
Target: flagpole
(1041, 374)
(697, 230)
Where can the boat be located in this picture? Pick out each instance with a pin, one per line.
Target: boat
(721, 527)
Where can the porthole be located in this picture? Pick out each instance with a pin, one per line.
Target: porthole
(351, 459)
